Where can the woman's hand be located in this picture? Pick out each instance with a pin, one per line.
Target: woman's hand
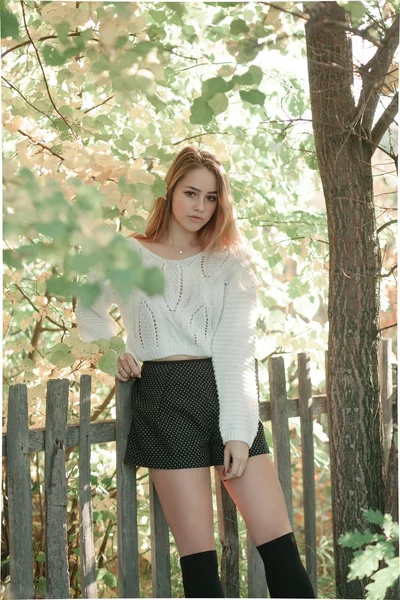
(127, 368)
(240, 455)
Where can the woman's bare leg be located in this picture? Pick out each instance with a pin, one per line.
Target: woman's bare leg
(258, 496)
(186, 499)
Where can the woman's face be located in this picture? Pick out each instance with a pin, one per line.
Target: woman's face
(195, 194)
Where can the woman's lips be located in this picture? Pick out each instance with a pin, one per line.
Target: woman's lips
(196, 219)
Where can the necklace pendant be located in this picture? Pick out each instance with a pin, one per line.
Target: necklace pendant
(180, 251)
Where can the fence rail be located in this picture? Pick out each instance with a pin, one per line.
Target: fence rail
(57, 436)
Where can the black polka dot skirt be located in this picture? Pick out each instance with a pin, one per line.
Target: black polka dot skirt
(175, 422)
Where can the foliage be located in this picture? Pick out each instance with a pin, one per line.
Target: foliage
(379, 548)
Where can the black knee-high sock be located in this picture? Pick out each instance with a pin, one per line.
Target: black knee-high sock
(286, 575)
(200, 575)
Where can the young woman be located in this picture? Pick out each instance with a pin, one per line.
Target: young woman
(195, 402)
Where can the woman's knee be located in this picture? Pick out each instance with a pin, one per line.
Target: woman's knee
(186, 499)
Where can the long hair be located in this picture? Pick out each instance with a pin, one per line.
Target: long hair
(221, 232)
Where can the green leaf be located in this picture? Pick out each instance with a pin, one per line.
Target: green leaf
(123, 144)
(89, 199)
(366, 562)
(42, 584)
(55, 229)
(52, 56)
(158, 16)
(110, 212)
(61, 347)
(125, 187)
(12, 259)
(61, 359)
(124, 280)
(159, 187)
(117, 344)
(238, 26)
(356, 539)
(9, 25)
(59, 286)
(108, 363)
(253, 76)
(219, 103)
(88, 293)
(153, 281)
(103, 344)
(134, 223)
(128, 134)
(357, 11)
(253, 97)
(374, 516)
(63, 75)
(248, 50)
(100, 65)
(96, 513)
(390, 528)
(201, 113)
(121, 41)
(63, 31)
(383, 579)
(40, 557)
(109, 579)
(210, 87)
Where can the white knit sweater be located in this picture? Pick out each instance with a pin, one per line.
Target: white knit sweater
(209, 309)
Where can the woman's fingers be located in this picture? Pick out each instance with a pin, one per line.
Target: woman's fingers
(132, 367)
(235, 470)
(127, 368)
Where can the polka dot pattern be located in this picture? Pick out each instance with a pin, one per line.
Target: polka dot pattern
(175, 422)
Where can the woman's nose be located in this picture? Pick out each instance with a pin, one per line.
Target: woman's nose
(199, 204)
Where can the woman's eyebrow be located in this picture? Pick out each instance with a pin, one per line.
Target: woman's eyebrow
(193, 188)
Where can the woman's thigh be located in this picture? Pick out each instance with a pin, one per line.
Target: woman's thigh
(186, 499)
(259, 497)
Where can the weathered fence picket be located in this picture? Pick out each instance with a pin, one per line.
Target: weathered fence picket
(307, 457)
(55, 489)
(56, 437)
(87, 552)
(19, 494)
(127, 532)
(280, 429)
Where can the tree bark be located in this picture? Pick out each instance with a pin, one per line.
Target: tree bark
(342, 133)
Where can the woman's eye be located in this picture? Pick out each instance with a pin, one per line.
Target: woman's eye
(213, 198)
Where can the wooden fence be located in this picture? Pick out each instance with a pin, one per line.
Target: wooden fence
(57, 436)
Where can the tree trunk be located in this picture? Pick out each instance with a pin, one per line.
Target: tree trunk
(342, 134)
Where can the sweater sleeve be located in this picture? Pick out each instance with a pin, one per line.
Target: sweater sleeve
(96, 322)
(233, 355)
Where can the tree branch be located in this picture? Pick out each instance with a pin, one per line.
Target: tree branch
(385, 120)
(27, 101)
(41, 145)
(42, 39)
(391, 270)
(373, 74)
(43, 73)
(97, 105)
(386, 225)
(387, 327)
